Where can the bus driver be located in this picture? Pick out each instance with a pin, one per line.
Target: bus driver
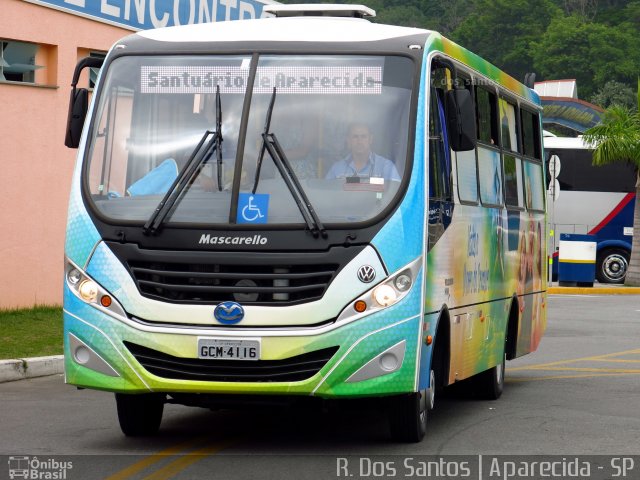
(362, 161)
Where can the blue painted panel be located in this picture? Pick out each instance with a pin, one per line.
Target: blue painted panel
(144, 15)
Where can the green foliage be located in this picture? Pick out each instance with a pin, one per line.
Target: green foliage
(617, 137)
(503, 31)
(592, 53)
(614, 93)
(406, 15)
(33, 332)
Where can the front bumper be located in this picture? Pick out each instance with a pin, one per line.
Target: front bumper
(357, 344)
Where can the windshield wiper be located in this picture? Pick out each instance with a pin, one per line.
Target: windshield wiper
(219, 136)
(186, 176)
(270, 144)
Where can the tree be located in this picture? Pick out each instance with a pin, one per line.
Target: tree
(592, 53)
(617, 139)
(586, 9)
(614, 93)
(503, 31)
(405, 15)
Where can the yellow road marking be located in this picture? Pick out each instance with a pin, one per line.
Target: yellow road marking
(555, 377)
(131, 470)
(615, 360)
(590, 372)
(184, 461)
(588, 369)
(542, 366)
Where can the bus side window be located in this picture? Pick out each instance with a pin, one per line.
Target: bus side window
(439, 153)
(489, 164)
(530, 134)
(533, 186)
(508, 126)
(486, 116)
(513, 184)
(534, 181)
(466, 165)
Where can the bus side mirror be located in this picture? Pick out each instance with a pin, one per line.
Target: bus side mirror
(79, 103)
(461, 120)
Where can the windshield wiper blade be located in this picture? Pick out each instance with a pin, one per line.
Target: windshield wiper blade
(270, 144)
(219, 136)
(187, 175)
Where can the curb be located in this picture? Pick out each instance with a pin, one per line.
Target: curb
(594, 290)
(21, 368)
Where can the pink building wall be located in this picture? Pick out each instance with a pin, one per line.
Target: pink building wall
(35, 166)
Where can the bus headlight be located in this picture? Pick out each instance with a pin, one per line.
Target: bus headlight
(90, 291)
(74, 276)
(403, 281)
(385, 295)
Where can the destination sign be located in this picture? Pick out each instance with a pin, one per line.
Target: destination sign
(351, 80)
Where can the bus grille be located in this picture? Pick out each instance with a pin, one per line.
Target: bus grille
(293, 369)
(247, 284)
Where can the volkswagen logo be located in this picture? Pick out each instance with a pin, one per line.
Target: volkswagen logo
(366, 274)
(229, 313)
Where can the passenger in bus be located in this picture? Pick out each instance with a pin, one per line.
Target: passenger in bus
(362, 161)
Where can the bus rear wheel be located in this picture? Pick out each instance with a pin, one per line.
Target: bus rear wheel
(489, 384)
(612, 265)
(408, 417)
(140, 415)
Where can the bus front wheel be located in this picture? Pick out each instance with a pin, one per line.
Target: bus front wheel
(140, 415)
(408, 416)
(612, 265)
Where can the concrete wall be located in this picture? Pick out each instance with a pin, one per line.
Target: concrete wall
(35, 166)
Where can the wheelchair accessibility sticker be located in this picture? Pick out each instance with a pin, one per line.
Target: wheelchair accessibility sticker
(253, 208)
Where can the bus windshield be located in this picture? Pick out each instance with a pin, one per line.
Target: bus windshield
(342, 122)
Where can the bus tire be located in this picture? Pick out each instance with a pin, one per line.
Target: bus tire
(139, 415)
(408, 417)
(612, 265)
(489, 384)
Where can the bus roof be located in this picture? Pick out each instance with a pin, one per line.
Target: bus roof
(286, 29)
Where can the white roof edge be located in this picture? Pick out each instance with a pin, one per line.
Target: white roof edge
(321, 9)
(565, 142)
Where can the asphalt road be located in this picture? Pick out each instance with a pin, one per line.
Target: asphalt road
(579, 394)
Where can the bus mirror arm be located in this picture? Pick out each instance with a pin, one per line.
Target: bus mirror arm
(461, 120)
(78, 103)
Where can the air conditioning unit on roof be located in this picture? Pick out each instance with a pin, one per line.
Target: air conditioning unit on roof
(319, 10)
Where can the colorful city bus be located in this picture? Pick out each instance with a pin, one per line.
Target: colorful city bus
(308, 205)
(607, 192)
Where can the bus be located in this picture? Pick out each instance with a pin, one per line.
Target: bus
(609, 193)
(310, 205)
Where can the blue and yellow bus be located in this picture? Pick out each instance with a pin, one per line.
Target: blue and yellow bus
(308, 205)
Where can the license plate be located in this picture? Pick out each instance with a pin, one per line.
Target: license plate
(228, 349)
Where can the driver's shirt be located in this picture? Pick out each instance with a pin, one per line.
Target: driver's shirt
(377, 166)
